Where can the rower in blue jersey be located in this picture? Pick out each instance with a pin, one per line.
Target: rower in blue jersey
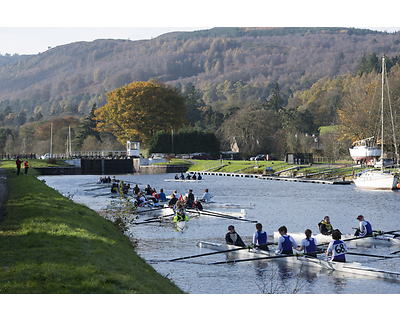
(308, 244)
(260, 237)
(285, 243)
(337, 248)
(365, 228)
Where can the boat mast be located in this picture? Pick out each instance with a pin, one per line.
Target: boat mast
(383, 86)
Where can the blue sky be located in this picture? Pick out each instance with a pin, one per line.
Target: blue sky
(30, 27)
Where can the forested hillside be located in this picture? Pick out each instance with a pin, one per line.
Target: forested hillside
(223, 73)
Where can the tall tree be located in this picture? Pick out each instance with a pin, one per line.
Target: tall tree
(139, 109)
(88, 128)
(275, 102)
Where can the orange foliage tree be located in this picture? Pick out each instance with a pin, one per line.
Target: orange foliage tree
(137, 110)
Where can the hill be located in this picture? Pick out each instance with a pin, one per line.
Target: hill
(79, 74)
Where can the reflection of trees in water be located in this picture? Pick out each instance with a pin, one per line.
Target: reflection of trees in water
(276, 278)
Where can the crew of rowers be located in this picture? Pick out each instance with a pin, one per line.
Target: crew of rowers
(188, 176)
(177, 202)
(336, 250)
(104, 180)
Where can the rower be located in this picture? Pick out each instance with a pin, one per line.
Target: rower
(233, 238)
(206, 196)
(365, 228)
(163, 197)
(285, 242)
(172, 201)
(136, 189)
(180, 215)
(308, 244)
(325, 226)
(190, 194)
(337, 248)
(260, 238)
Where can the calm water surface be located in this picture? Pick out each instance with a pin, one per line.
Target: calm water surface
(297, 205)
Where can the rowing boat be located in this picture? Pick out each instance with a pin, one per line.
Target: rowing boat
(180, 225)
(228, 205)
(154, 211)
(380, 239)
(307, 261)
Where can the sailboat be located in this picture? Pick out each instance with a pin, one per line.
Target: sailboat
(373, 178)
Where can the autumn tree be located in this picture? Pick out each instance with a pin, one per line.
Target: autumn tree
(137, 110)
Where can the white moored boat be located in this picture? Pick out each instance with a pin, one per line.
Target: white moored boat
(377, 179)
(383, 239)
(348, 267)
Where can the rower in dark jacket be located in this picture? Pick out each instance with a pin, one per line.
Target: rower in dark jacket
(233, 238)
(325, 226)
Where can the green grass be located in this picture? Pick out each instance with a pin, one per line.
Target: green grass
(236, 165)
(49, 244)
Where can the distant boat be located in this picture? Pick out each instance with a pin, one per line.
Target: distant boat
(373, 178)
(365, 151)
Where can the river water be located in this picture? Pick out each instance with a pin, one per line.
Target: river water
(297, 205)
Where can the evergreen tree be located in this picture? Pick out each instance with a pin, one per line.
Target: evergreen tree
(88, 128)
(275, 102)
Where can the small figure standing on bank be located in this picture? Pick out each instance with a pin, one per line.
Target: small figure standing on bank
(18, 163)
(26, 166)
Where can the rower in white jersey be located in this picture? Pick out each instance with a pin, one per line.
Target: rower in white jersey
(337, 248)
(285, 242)
(308, 244)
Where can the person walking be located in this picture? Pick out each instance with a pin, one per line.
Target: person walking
(18, 163)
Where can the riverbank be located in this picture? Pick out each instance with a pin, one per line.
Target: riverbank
(49, 244)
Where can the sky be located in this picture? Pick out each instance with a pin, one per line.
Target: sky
(30, 27)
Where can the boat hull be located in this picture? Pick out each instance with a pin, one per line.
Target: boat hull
(320, 263)
(154, 211)
(376, 180)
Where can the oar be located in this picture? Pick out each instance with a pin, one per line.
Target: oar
(101, 195)
(144, 222)
(167, 215)
(212, 253)
(369, 255)
(213, 214)
(356, 238)
(207, 254)
(153, 209)
(98, 188)
(254, 259)
(157, 219)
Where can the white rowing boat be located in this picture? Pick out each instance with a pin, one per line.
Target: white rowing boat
(321, 263)
(154, 211)
(380, 239)
(180, 225)
(228, 205)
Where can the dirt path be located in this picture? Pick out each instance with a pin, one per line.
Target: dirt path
(3, 192)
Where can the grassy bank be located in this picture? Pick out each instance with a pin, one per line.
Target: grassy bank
(49, 244)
